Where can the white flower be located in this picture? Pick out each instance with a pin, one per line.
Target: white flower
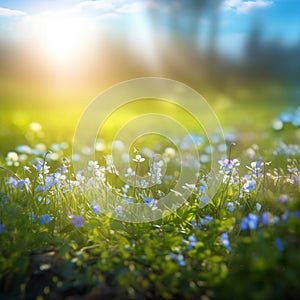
(35, 127)
(138, 158)
(12, 159)
(170, 152)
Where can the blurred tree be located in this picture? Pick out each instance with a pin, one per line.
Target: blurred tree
(184, 17)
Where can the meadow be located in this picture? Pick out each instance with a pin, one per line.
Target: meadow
(60, 241)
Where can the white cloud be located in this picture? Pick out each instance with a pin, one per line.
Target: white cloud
(102, 5)
(249, 5)
(123, 6)
(242, 7)
(10, 12)
(231, 4)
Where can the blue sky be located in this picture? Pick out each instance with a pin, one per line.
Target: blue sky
(280, 18)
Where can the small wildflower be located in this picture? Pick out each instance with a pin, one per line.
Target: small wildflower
(195, 224)
(206, 220)
(285, 216)
(257, 168)
(202, 186)
(178, 258)
(119, 210)
(2, 229)
(279, 244)
(265, 218)
(229, 166)
(76, 220)
(129, 173)
(244, 223)
(93, 165)
(12, 159)
(249, 185)
(258, 206)
(203, 200)
(12, 182)
(192, 239)
(230, 206)
(42, 167)
(45, 219)
(96, 209)
(127, 200)
(24, 182)
(192, 242)
(170, 152)
(250, 222)
(151, 202)
(147, 200)
(295, 214)
(225, 241)
(138, 158)
(283, 198)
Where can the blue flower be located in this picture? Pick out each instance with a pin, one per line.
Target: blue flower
(192, 239)
(12, 182)
(202, 186)
(192, 242)
(279, 244)
(93, 165)
(204, 200)
(2, 229)
(206, 220)
(283, 198)
(257, 168)
(178, 258)
(147, 200)
(76, 220)
(24, 182)
(265, 218)
(230, 206)
(286, 117)
(127, 200)
(45, 219)
(249, 185)
(119, 210)
(42, 167)
(296, 214)
(244, 223)
(96, 209)
(258, 206)
(285, 216)
(225, 241)
(252, 221)
(195, 224)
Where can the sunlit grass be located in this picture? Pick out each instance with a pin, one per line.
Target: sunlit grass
(58, 237)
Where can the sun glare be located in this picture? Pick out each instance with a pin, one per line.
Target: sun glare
(62, 39)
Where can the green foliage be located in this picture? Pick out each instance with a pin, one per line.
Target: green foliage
(244, 244)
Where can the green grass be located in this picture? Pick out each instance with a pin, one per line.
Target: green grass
(75, 248)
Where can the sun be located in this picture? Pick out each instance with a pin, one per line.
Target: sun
(62, 39)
